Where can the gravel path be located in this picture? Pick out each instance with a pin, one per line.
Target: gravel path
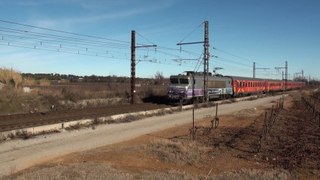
(20, 154)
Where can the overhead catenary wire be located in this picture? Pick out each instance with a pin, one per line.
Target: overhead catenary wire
(54, 38)
(236, 56)
(219, 58)
(145, 38)
(62, 51)
(74, 43)
(60, 31)
(29, 36)
(199, 63)
(189, 34)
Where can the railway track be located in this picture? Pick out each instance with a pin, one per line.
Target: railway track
(19, 121)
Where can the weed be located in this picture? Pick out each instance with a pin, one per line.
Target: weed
(10, 77)
(74, 127)
(175, 151)
(129, 118)
(23, 134)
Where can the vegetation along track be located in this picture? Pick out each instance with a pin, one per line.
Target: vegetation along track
(17, 121)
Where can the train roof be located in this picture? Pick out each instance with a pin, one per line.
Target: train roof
(188, 73)
(246, 78)
(259, 79)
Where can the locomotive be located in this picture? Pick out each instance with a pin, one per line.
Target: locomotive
(221, 87)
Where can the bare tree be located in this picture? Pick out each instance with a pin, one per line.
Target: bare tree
(159, 78)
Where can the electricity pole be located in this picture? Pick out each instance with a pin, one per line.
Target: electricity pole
(255, 68)
(133, 64)
(286, 74)
(206, 60)
(206, 57)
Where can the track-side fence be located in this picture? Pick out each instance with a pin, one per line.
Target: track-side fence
(270, 117)
(312, 106)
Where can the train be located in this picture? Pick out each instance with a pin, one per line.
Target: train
(222, 87)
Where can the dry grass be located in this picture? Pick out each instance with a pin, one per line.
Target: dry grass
(177, 152)
(105, 171)
(16, 101)
(10, 77)
(65, 94)
(96, 171)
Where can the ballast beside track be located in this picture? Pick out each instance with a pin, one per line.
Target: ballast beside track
(20, 121)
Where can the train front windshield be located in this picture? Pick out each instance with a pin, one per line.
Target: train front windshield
(184, 81)
(179, 81)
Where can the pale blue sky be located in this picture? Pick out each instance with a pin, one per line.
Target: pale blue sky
(268, 32)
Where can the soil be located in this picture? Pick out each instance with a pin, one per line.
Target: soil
(238, 148)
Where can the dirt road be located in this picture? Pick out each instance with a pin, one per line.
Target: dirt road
(20, 154)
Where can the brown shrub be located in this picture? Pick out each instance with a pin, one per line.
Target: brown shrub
(176, 152)
(10, 77)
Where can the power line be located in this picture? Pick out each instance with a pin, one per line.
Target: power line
(58, 41)
(236, 56)
(61, 51)
(145, 38)
(231, 54)
(232, 61)
(60, 31)
(179, 50)
(191, 32)
(199, 63)
(53, 37)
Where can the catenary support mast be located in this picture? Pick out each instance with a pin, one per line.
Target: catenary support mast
(133, 64)
(206, 57)
(206, 60)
